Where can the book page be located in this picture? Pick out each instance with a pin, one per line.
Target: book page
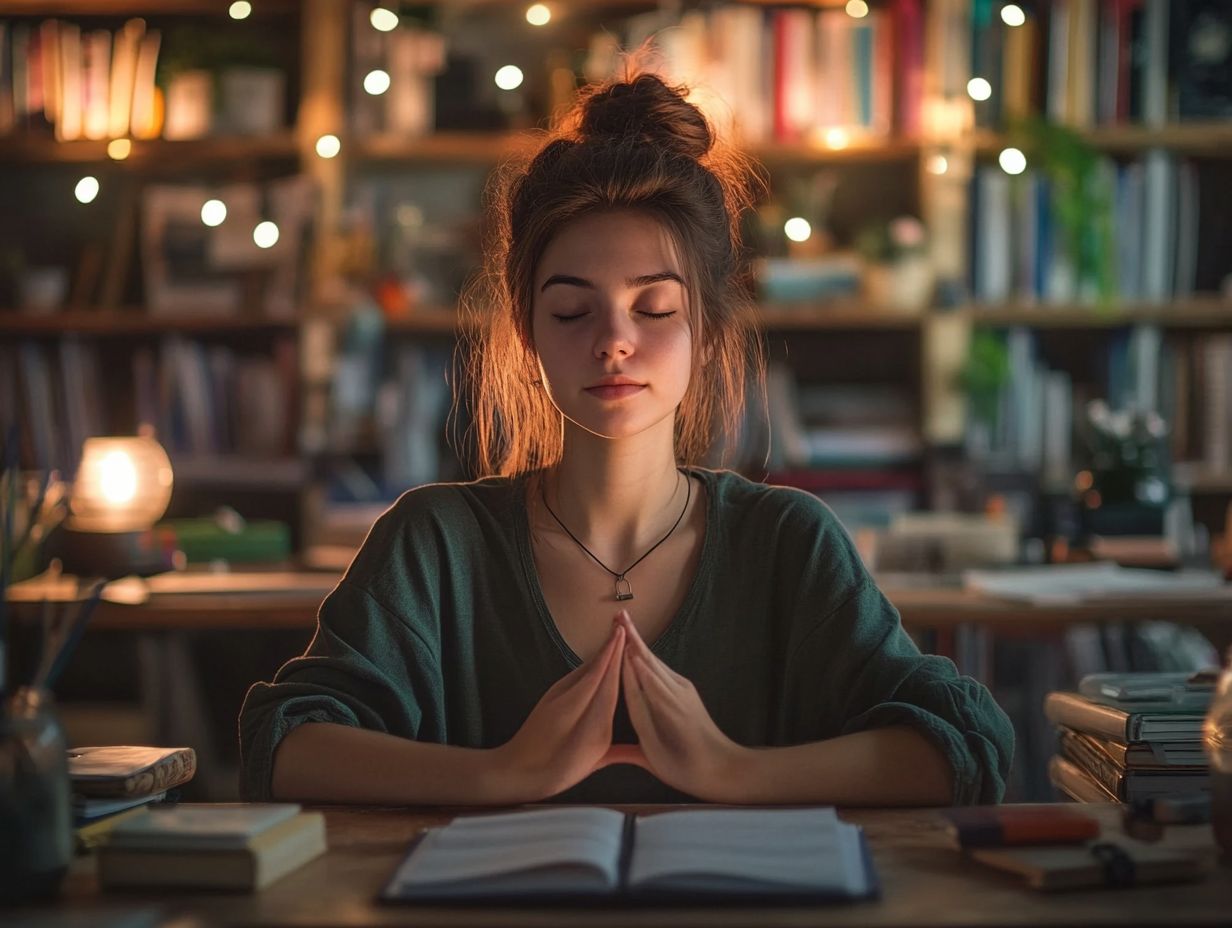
(800, 849)
(575, 843)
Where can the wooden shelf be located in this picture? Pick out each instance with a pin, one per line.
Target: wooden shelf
(1193, 313)
(156, 153)
(240, 472)
(482, 148)
(776, 317)
(426, 322)
(1210, 139)
(1199, 481)
(128, 8)
(120, 322)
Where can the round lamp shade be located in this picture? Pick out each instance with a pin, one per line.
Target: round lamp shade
(122, 485)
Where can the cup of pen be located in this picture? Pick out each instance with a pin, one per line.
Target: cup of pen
(36, 821)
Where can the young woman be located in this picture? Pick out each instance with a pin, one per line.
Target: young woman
(601, 620)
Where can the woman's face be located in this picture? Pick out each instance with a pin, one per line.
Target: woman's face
(611, 324)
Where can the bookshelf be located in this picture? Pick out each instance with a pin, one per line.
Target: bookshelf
(880, 173)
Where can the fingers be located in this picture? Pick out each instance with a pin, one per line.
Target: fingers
(592, 669)
(636, 645)
(637, 703)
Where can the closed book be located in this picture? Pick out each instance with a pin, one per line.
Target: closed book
(261, 859)
(1118, 864)
(129, 770)
(1131, 785)
(1075, 782)
(1075, 711)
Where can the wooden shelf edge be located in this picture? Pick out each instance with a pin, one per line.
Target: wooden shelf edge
(1212, 138)
(148, 152)
(1193, 312)
(115, 322)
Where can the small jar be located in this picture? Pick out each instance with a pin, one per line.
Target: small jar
(36, 821)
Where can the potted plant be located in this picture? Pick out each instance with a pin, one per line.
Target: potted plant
(898, 274)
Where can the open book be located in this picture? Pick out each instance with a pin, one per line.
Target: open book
(589, 854)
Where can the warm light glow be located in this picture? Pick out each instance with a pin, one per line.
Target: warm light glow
(857, 9)
(837, 138)
(538, 15)
(1012, 15)
(328, 146)
(86, 189)
(383, 20)
(797, 229)
(376, 82)
(265, 234)
(938, 164)
(117, 478)
(119, 149)
(979, 89)
(240, 9)
(1012, 161)
(122, 484)
(213, 212)
(509, 77)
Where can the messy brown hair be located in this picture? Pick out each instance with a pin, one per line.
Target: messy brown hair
(634, 144)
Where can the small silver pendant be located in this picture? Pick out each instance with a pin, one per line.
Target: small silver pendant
(624, 590)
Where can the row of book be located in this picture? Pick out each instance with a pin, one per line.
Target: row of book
(202, 400)
(788, 74)
(1086, 63)
(1021, 252)
(1039, 410)
(1131, 737)
(113, 783)
(79, 83)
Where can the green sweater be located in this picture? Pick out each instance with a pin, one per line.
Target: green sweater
(439, 632)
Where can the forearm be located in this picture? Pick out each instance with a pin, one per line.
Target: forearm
(895, 766)
(325, 762)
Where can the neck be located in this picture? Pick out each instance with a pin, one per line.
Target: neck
(619, 497)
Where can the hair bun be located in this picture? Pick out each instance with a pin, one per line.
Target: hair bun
(646, 110)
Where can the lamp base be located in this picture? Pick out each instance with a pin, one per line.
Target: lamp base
(113, 554)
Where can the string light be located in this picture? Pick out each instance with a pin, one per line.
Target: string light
(213, 212)
(1012, 15)
(538, 15)
(1012, 161)
(119, 149)
(509, 77)
(857, 9)
(328, 146)
(837, 138)
(265, 234)
(798, 229)
(240, 9)
(86, 189)
(979, 89)
(938, 164)
(376, 82)
(383, 20)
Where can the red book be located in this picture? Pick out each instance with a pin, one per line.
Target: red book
(908, 27)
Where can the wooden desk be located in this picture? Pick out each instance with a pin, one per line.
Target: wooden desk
(924, 882)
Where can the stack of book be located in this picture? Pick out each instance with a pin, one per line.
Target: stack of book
(116, 782)
(228, 846)
(1131, 737)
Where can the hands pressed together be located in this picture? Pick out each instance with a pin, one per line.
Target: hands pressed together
(568, 735)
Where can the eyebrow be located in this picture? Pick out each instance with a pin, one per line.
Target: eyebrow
(644, 281)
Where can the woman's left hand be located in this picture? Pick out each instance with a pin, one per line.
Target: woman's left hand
(679, 741)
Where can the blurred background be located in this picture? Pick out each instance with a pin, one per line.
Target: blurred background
(993, 271)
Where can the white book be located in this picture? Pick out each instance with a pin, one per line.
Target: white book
(1070, 584)
(201, 826)
(69, 125)
(123, 74)
(1159, 226)
(699, 854)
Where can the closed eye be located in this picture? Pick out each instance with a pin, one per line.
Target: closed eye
(649, 315)
(566, 318)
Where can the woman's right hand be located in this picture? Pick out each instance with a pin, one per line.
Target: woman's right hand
(568, 735)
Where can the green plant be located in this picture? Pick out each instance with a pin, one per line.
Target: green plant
(985, 373)
(1081, 200)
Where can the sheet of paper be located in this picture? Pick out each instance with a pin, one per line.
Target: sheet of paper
(807, 848)
(491, 845)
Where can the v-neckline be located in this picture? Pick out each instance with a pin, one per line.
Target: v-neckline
(687, 605)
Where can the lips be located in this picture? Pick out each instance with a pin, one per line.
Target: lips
(615, 391)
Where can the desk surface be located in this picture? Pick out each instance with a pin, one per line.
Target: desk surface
(290, 599)
(925, 882)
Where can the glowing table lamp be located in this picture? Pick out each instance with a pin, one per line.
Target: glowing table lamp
(122, 488)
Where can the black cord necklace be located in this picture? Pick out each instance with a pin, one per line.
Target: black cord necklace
(624, 590)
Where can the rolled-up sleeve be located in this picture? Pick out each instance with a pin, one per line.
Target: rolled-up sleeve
(859, 660)
(365, 667)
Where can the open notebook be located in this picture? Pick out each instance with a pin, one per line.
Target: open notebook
(588, 854)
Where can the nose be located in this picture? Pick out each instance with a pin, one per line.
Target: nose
(614, 337)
